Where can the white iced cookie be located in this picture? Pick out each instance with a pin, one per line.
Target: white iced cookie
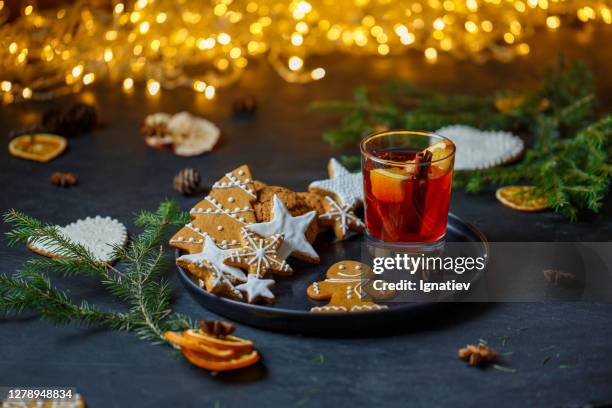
(346, 187)
(477, 149)
(98, 235)
(256, 289)
(293, 229)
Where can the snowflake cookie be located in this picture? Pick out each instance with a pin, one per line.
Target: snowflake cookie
(259, 255)
(344, 289)
(341, 217)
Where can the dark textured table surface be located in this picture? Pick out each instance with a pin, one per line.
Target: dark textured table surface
(411, 365)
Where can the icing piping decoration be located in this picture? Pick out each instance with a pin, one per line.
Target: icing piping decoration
(256, 289)
(341, 217)
(347, 187)
(293, 229)
(213, 257)
(98, 235)
(259, 255)
(344, 289)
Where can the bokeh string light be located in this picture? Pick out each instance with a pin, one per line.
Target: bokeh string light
(164, 44)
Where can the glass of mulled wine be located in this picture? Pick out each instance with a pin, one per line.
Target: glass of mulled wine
(407, 180)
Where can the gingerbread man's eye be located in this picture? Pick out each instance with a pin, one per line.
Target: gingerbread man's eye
(358, 267)
(341, 267)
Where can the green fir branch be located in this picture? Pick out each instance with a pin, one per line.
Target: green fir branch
(140, 284)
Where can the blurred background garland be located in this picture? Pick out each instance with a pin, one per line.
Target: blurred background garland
(55, 48)
(569, 161)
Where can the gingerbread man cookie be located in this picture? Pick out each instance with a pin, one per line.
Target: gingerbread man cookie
(343, 287)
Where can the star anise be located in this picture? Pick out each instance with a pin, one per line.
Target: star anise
(217, 328)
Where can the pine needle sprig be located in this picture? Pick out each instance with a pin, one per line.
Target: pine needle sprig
(140, 282)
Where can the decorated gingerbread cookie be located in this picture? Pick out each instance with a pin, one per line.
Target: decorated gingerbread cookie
(221, 214)
(344, 186)
(293, 229)
(341, 217)
(344, 289)
(215, 230)
(294, 202)
(256, 289)
(259, 255)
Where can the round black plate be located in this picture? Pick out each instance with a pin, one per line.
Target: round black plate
(291, 312)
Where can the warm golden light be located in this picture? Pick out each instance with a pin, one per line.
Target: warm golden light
(295, 63)
(431, 54)
(553, 22)
(317, 73)
(128, 84)
(180, 42)
(153, 87)
(88, 78)
(209, 92)
(199, 86)
(77, 71)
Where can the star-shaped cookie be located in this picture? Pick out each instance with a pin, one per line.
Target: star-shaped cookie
(346, 187)
(259, 255)
(293, 229)
(257, 289)
(212, 256)
(341, 217)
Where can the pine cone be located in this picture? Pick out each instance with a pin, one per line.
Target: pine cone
(64, 179)
(74, 120)
(246, 105)
(217, 328)
(187, 181)
(157, 130)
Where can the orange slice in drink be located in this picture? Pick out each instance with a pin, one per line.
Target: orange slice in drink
(519, 198)
(192, 344)
(39, 147)
(439, 152)
(387, 184)
(201, 360)
(226, 343)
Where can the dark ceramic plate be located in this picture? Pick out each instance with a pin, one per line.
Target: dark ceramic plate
(291, 312)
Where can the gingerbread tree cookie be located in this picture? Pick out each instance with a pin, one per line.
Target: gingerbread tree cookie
(343, 287)
(221, 214)
(215, 230)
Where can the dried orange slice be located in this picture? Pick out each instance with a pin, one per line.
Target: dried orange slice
(227, 343)
(518, 198)
(202, 360)
(387, 184)
(40, 147)
(192, 344)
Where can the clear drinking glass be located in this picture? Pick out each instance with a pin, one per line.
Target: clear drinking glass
(407, 178)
